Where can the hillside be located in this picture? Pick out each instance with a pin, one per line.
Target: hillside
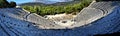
(71, 7)
(55, 4)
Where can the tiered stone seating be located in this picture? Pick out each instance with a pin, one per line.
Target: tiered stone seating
(107, 7)
(13, 25)
(104, 7)
(40, 21)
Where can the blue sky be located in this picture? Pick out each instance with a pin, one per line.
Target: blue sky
(24, 1)
(20, 1)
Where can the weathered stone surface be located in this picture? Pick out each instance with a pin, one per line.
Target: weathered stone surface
(16, 22)
(88, 15)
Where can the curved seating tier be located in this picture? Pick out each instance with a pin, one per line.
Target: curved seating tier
(16, 22)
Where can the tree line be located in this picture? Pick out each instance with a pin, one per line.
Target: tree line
(52, 9)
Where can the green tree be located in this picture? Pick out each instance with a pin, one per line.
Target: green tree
(4, 3)
(13, 4)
